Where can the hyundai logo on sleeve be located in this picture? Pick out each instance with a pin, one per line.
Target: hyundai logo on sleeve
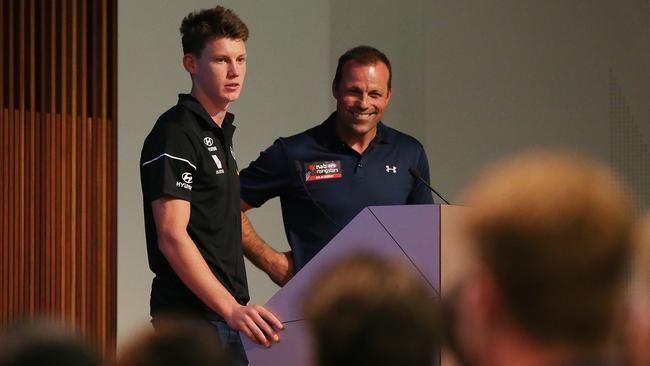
(187, 181)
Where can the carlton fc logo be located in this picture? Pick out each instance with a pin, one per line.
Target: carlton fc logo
(208, 141)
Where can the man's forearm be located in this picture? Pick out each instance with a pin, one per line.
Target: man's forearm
(276, 264)
(171, 216)
(255, 248)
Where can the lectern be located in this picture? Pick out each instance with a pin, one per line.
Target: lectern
(416, 235)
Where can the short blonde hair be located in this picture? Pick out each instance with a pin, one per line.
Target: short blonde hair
(554, 229)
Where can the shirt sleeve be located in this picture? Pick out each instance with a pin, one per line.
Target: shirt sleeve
(168, 165)
(267, 177)
(420, 193)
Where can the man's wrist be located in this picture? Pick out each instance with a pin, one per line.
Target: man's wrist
(228, 308)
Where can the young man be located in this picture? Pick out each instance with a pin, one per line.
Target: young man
(190, 186)
(326, 175)
(550, 236)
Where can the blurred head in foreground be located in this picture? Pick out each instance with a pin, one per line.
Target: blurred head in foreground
(37, 344)
(550, 233)
(639, 315)
(173, 344)
(366, 310)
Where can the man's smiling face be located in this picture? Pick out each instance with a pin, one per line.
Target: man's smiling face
(361, 97)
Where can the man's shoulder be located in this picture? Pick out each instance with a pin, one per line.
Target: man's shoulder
(175, 117)
(174, 122)
(307, 135)
(393, 135)
(173, 127)
(306, 138)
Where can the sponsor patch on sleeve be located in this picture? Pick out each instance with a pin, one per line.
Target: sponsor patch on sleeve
(187, 181)
(320, 170)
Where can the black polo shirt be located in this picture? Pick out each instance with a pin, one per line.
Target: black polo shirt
(340, 180)
(187, 156)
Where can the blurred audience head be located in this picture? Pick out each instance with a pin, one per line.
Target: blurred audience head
(551, 235)
(42, 343)
(366, 310)
(175, 343)
(638, 341)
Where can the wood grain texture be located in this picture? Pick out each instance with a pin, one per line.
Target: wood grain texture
(59, 137)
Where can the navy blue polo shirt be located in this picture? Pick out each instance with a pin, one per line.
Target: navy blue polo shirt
(342, 181)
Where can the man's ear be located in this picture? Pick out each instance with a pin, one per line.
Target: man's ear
(189, 62)
(491, 297)
(335, 92)
(388, 95)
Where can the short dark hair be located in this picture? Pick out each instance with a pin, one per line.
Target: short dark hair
(44, 343)
(218, 22)
(367, 310)
(176, 343)
(365, 55)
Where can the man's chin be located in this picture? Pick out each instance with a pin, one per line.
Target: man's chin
(231, 98)
(362, 128)
(358, 127)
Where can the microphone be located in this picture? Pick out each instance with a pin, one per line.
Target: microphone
(417, 175)
(299, 170)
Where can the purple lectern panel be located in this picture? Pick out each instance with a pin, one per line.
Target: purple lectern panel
(410, 234)
(363, 234)
(417, 231)
(293, 348)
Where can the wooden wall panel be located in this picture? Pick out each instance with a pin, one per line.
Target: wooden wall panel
(58, 176)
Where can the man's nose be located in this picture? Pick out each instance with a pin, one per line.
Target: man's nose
(362, 102)
(233, 70)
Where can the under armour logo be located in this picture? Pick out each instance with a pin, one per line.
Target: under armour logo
(187, 177)
(391, 169)
(208, 141)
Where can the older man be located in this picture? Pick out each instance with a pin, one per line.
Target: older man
(326, 175)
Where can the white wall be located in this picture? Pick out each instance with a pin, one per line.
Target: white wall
(473, 80)
(286, 91)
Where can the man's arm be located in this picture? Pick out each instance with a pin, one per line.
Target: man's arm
(171, 216)
(278, 265)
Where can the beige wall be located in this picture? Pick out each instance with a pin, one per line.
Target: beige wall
(473, 80)
(477, 80)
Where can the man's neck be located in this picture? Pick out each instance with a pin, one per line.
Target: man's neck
(216, 111)
(356, 142)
